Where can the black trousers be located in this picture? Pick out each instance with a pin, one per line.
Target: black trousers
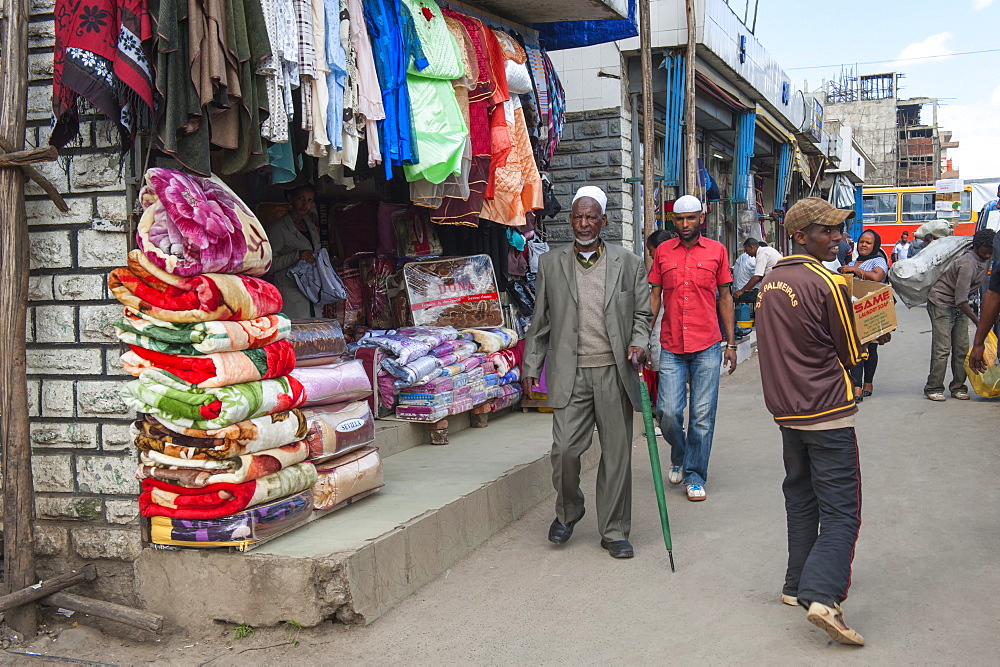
(822, 490)
(865, 371)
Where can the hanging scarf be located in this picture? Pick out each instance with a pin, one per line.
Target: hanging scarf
(100, 55)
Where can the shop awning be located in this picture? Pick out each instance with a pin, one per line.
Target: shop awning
(715, 91)
(772, 127)
(570, 34)
(548, 11)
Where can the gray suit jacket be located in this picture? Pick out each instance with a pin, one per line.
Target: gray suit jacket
(553, 332)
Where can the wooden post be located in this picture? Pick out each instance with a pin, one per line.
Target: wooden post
(690, 127)
(18, 488)
(648, 136)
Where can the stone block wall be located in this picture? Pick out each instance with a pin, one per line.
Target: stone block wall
(596, 149)
(84, 471)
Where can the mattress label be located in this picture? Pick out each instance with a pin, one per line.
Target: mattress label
(350, 425)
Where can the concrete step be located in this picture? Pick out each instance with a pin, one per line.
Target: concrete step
(438, 504)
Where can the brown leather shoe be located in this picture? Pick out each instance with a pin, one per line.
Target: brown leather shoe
(831, 619)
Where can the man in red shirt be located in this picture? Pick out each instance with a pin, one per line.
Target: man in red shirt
(690, 277)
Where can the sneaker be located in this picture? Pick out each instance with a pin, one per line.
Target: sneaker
(696, 492)
(657, 431)
(790, 600)
(936, 396)
(961, 395)
(676, 475)
(831, 619)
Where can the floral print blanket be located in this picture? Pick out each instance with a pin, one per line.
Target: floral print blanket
(148, 289)
(245, 437)
(142, 330)
(159, 498)
(219, 369)
(192, 225)
(178, 404)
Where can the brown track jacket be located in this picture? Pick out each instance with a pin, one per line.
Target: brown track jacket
(806, 340)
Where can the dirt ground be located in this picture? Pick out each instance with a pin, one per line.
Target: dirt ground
(925, 572)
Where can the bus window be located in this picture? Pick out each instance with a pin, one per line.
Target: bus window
(918, 206)
(881, 208)
(965, 214)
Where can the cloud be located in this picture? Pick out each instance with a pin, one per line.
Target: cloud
(981, 4)
(976, 127)
(931, 49)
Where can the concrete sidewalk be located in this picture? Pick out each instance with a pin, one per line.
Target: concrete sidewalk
(925, 575)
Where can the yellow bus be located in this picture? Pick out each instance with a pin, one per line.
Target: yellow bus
(890, 211)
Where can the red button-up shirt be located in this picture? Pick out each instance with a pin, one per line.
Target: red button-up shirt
(690, 279)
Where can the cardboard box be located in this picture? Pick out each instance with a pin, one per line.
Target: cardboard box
(948, 196)
(949, 185)
(874, 309)
(947, 205)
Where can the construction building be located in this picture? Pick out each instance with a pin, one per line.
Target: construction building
(902, 137)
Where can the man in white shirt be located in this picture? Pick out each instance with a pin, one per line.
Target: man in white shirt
(743, 269)
(902, 249)
(765, 258)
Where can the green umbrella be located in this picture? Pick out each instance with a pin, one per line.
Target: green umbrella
(654, 461)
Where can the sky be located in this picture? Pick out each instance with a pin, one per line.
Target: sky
(806, 33)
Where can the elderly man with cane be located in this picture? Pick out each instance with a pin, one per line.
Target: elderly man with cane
(591, 326)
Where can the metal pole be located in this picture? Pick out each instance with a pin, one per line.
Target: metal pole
(648, 140)
(18, 487)
(690, 140)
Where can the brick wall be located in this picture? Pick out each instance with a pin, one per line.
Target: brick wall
(84, 470)
(596, 149)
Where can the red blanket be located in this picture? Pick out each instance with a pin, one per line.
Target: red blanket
(203, 298)
(219, 369)
(101, 54)
(159, 498)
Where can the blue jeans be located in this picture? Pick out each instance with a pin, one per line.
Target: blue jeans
(700, 370)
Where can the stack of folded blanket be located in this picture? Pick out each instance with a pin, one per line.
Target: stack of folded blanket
(226, 455)
(428, 373)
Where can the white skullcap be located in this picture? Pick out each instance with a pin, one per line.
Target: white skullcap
(594, 193)
(688, 204)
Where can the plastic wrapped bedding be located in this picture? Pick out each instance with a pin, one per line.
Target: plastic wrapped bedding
(421, 413)
(241, 529)
(335, 383)
(317, 338)
(347, 477)
(338, 429)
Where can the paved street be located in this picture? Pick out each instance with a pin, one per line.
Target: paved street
(925, 576)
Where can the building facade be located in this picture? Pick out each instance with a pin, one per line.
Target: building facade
(761, 142)
(902, 136)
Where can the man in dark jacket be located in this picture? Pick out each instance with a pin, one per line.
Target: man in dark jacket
(806, 340)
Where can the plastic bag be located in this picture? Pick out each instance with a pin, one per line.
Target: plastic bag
(911, 279)
(986, 385)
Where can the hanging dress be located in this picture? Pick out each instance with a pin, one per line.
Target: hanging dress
(517, 184)
(441, 132)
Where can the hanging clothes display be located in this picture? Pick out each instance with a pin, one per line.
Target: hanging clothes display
(440, 128)
(517, 183)
(394, 43)
(101, 55)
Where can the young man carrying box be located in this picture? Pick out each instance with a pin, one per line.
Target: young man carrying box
(806, 340)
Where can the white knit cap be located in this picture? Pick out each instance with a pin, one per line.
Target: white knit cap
(688, 204)
(594, 193)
